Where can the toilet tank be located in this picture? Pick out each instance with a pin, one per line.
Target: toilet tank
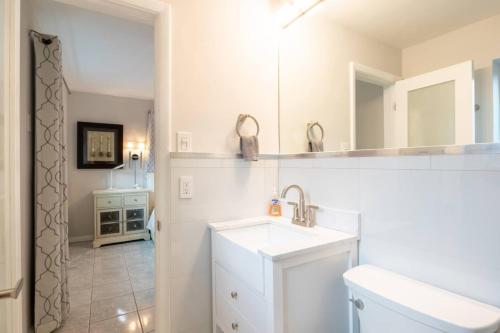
(387, 302)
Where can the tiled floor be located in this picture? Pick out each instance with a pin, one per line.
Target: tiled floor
(111, 288)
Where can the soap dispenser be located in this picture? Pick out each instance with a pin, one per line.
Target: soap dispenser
(275, 204)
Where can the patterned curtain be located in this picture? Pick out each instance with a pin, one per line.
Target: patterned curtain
(150, 142)
(50, 172)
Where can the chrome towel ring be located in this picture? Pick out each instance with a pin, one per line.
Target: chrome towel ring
(241, 120)
(310, 126)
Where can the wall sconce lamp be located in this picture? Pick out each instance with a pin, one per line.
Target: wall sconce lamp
(293, 9)
(135, 153)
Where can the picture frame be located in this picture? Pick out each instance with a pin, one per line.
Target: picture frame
(99, 146)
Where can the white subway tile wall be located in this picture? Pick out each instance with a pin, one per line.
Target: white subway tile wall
(433, 218)
(224, 189)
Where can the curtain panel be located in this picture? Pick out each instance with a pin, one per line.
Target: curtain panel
(150, 142)
(51, 299)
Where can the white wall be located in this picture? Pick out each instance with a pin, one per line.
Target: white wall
(131, 113)
(315, 53)
(224, 63)
(477, 42)
(223, 190)
(433, 218)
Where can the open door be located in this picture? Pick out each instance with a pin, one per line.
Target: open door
(11, 281)
(436, 108)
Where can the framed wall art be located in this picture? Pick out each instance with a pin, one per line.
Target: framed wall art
(100, 146)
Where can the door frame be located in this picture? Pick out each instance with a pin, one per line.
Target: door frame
(12, 148)
(369, 75)
(157, 13)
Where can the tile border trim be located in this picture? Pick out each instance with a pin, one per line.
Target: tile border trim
(481, 148)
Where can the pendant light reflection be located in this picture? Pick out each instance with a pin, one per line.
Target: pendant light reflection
(293, 9)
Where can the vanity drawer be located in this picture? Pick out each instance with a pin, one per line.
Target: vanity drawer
(230, 320)
(249, 303)
(134, 200)
(108, 202)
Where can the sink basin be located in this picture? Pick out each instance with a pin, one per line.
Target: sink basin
(277, 237)
(248, 248)
(264, 235)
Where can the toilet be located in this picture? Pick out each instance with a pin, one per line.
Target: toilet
(387, 302)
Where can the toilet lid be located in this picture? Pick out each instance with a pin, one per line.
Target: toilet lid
(424, 303)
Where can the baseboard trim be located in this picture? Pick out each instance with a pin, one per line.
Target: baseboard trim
(78, 239)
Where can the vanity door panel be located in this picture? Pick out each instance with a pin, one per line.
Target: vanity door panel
(134, 219)
(109, 222)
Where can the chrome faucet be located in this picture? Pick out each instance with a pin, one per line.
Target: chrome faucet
(303, 214)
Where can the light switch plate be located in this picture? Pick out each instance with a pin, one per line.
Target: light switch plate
(185, 187)
(184, 142)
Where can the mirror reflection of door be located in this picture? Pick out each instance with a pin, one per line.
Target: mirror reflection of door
(435, 108)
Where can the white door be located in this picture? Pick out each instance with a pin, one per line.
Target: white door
(436, 108)
(10, 270)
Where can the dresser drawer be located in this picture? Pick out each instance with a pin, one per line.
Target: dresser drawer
(230, 320)
(248, 302)
(134, 200)
(108, 202)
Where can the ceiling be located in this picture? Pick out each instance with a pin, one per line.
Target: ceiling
(102, 54)
(403, 23)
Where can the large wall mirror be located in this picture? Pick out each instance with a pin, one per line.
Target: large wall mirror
(364, 74)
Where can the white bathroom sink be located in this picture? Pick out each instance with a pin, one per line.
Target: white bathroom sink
(278, 237)
(264, 235)
(261, 265)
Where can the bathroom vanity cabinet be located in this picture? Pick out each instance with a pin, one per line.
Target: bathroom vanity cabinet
(270, 276)
(120, 215)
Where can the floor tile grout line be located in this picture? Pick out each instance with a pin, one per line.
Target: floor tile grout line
(133, 295)
(129, 275)
(91, 286)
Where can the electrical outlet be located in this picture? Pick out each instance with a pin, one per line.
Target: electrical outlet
(185, 187)
(184, 142)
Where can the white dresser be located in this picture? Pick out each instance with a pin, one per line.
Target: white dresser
(120, 215)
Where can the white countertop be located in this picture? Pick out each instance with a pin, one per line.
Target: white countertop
(296, 239)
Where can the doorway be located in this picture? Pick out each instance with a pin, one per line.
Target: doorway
(434, 108)
(157, 14)
(372, 107)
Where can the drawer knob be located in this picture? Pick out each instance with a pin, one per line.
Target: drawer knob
(234, 295)
(358, 303)
(109, 201)
(234, 326)
(135, 200)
